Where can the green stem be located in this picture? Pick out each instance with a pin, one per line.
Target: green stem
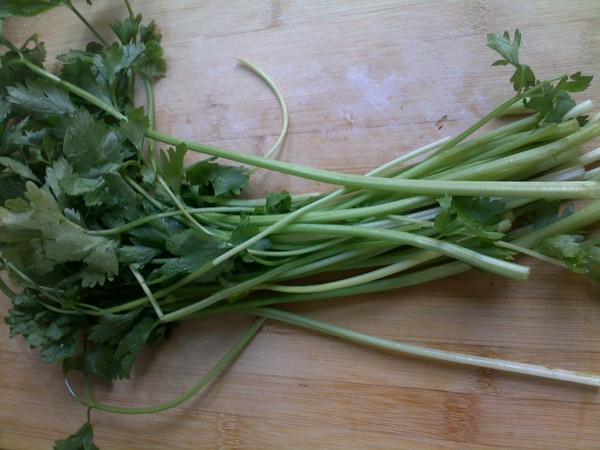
(74, 89)
(87, 24)
(427, 352)
(449, 249)
(140, 190)
(572, 223)
(532, 253)
(225, 361)
(355, 280)
(573, 189)
(6, 290)
(129, 8)
(442, 154)
(246, 286)
(142, 282)
(383, 285)
(183, 208)
(151, 110)
(281, 100)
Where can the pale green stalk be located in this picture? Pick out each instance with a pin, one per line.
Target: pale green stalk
(427, 352)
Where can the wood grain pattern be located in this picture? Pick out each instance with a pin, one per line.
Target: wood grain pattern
(365, 81)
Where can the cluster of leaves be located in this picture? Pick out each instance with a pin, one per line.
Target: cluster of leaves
(67, 170)
(579, 254)
(552, 102)
(477, 221)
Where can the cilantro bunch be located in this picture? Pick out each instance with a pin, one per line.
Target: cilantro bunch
(112, 237)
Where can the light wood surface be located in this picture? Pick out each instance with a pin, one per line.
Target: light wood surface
(364, 81)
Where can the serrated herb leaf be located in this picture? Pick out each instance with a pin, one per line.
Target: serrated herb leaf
(135, 127)
(55, 334)
(99, 360)
(90, 146)
(171, 167)
(575, 82)
(116, 59)
(10, 74)
(244, 231)
(193, 249)
(40, 98)
(36, 235)
(137, 254)
(545, 212)
(82, 439)
(568, 249)
(523, 76)
(224, 180)
(469, 216)
(115, 342)
(127, 29)
(27, 7)
(112, 328)
(132, 343)
(278, 203)
(18, 168)
(152, 60)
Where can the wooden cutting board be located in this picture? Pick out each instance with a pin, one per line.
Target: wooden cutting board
(364, 81)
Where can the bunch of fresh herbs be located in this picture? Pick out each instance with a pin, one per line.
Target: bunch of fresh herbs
(113, 238)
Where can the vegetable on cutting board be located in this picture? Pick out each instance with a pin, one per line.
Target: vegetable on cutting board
(110, 238)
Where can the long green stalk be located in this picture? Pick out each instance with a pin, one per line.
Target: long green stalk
(426, 352)
(574, 189)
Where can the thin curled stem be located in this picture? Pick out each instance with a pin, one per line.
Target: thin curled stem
(227, 359)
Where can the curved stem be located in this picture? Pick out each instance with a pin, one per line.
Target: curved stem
(210, 375)
(284, 111)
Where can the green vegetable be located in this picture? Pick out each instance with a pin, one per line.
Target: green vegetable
(114, 239)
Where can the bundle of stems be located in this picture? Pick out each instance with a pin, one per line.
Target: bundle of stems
(113, 238)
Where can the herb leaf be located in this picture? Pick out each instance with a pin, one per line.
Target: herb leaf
(224, 180)
(55, 334)
(36, 235)
(91, 146)
(113, 327)
(27, 7)
(193, 249)
(523, 76)
(278, 203)
(82, 439)
(40, 98)
(171, 166)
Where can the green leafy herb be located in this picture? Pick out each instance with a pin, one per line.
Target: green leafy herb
(278, 203)
(55, 334)
(41, 98)
(553, 102)
(523, 78)
(82, 439)
(114, 239)
(224, 180)
(27, 7)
